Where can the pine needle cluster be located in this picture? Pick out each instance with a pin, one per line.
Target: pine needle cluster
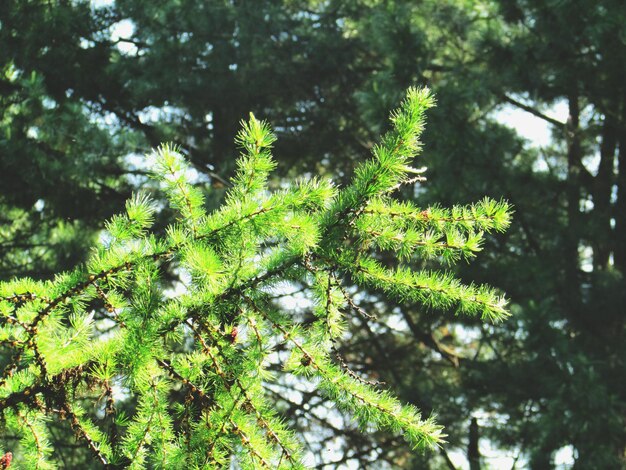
(194, 362)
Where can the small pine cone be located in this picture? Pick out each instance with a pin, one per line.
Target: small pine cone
(5, 461)
(232, 336)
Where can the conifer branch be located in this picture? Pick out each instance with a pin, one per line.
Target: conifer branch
(419, 433)
(212, 342)
(287, 451)
(25, 422)
(66, 412)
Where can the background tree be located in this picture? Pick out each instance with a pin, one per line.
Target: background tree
(561, 356)
(570, 53)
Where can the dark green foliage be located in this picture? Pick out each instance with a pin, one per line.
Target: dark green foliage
(560, 379)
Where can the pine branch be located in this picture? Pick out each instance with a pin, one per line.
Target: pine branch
(212, 342)
(534, 112)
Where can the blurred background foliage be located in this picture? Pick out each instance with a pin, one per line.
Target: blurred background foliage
(87, 88)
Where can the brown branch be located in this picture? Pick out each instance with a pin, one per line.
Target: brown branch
(81, 433)
(533, 111)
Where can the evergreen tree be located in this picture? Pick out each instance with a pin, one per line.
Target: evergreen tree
(76, 100)
(570, 284)
(180, 379)
(552, 377)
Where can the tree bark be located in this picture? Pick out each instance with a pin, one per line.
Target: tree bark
(473, 452)
(620, 204)
(603, 184)
(571, 290)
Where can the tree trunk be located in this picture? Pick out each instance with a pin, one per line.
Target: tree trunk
(571, 290)
(603, 184)
(473, 452)
(620, 204)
